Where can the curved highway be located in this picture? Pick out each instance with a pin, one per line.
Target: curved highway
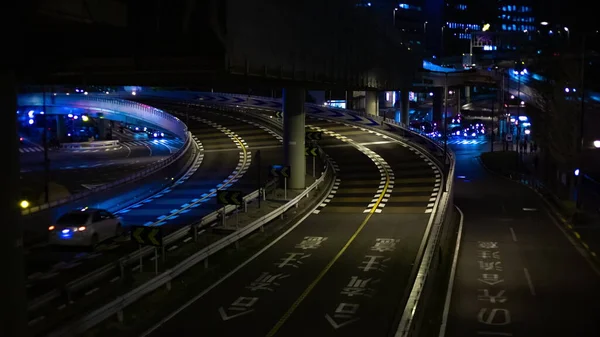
(346, 268)
(226, 161)
(77, 171)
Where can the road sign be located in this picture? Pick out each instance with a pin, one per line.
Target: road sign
(312, 135)
(312, 151)
(150, 236)
(278, 114)
(280, 171)
(509, 137)
(230, 197)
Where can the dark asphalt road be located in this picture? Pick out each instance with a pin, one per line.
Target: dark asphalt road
(352, 257)
(73, 170)
(517, 275)
(58, 266)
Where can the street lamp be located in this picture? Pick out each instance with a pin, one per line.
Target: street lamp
(597, 144)
(568, 36)
(394, 21)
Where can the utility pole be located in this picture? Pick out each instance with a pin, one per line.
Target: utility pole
(45, 145)
(492, 135)
(444, 118)
(578, 201)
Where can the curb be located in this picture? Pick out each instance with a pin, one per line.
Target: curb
(566, 225)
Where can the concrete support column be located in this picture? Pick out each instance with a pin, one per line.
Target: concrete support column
(371, 103)
(61, 128)
(405, 117)
(438, 98)
(12, 282)
(103, 128)
(458, 104)
(349, 96)
(293, 135)
(468, 93)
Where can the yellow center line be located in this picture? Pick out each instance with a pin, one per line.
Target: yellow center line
(244, 161)
(325, 270)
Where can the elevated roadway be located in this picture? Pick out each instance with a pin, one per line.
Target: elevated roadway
(225, 163)
(77, 171)
(347, 267)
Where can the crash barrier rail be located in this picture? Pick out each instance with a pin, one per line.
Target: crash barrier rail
(157, 166)
(435, 249)
(92, 144)
(132, 109)
(107, 106)
(116, 306)
(99, 273)
(436, 245)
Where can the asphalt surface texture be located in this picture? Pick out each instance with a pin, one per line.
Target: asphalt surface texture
(518, 274)
(181, 205)
(77, 169)
(344, 270)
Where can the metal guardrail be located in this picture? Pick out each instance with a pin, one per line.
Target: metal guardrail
(133, 109)
(412, 313)
(108, 105)
(93, 144)
(159, 165)
(116, 306)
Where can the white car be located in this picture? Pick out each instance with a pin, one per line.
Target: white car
(85, 227)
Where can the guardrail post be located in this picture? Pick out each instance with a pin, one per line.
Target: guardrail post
(264, 194)
(245, 206)
(194, 233)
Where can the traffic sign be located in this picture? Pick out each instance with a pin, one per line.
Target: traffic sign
(312, 151)
(312, 135)
(278, 114)
(280, 171)
(230, 197)
(150, 236)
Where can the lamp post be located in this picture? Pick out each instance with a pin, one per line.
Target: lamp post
(578, 201)
(444, 119)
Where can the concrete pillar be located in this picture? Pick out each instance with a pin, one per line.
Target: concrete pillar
(103, 128)
(61, 128)
(405, 117)
(458, 104)
(12, 283)
(293, 135)
(438, 98)
(371, 101)
(468, 93)
(349, 96)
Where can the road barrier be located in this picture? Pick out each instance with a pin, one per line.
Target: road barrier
(434, 248)
(132, 109)
(116, 306)
(90, 145)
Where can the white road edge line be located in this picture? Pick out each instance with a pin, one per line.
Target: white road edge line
(512, 233)
(242, 265)
(529, 283)
(452, 275)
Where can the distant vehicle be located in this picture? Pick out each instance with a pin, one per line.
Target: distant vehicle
(85, 227)
(21, 140)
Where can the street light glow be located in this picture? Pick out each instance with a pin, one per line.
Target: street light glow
(24, 204)
(544, 23)
(597, 144)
